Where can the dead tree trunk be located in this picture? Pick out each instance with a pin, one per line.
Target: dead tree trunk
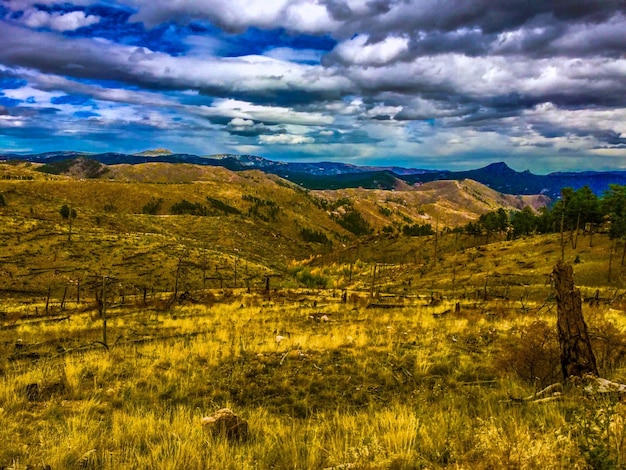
(577, 357)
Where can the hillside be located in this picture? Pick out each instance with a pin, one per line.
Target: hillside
(336, 175)
(448, 203)
(178, 290)
(143, 222)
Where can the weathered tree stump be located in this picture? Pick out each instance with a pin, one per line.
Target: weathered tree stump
(577, 357)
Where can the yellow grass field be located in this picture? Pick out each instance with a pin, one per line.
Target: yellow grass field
(381, 351)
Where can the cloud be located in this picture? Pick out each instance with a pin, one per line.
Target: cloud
(238, 15)
(235, 109)
(438, 79)
(103, 59)
(286, 139)
(288, 54)
(57, 21)
(249, 128)
(358, 50)
(21, 5)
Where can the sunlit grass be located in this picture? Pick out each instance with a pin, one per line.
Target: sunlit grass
(370, 388)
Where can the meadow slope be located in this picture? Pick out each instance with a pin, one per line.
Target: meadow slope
(371, 351)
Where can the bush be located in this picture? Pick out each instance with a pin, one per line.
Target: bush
(354, 222)
(222, 206)
(314, 236)
(306, 277)
(269, 213)
(417, 230)
(185, 207)
(66, 212)
(152, 207)
(385, 211)
(532, 353)
(2, 201)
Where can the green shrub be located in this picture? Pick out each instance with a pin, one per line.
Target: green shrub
(306, 277)
(354, 222)
(222, 206)
(314, 236)
(417, 230)
(152, 207)
(185, 207)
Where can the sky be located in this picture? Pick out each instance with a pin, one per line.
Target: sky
(435, 84)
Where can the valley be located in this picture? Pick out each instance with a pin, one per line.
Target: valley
(343, 338)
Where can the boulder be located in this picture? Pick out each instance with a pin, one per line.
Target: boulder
(226, 423)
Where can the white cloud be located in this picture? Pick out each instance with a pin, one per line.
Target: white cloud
(57, 21)
(104, 59)
(308, 16)
(245, 73)
(11, 121)
(357, 50)
(286, 139)
(238, 122)
(56, 83)
(287, 54)
(35, 97)
(591, 120)
(267, 114)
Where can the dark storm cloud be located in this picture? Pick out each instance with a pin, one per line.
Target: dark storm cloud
(248, 128)
(136, 66)
(418, 76)
(490, 17)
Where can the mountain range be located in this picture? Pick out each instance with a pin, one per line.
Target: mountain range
(335, 175)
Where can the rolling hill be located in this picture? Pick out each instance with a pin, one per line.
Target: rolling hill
(144, 221)
(336, 175)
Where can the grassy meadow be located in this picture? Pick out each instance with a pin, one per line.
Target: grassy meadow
(382, 352)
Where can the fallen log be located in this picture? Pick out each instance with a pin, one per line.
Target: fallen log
(549, 394)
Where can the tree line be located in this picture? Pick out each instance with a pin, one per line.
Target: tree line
(575, 211)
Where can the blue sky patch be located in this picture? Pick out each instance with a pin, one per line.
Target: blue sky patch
(77, 100)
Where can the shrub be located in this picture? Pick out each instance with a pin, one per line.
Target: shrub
(314, 236)
(354, 222)
(152, 207)
(222, 206)
(306, 277)
(532, 354)
(417, 230)
(185, 207)
(385, 211)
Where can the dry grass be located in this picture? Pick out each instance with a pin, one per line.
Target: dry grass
(422, 380)
(370, 388)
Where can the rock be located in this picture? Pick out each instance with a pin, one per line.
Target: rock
(225, 423)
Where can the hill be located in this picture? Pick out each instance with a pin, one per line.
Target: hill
(179, 289)
(142, 222)
(336, 175)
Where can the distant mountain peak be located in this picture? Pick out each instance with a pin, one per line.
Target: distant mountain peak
(333, 175)
(154, 152)
(498, 166)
